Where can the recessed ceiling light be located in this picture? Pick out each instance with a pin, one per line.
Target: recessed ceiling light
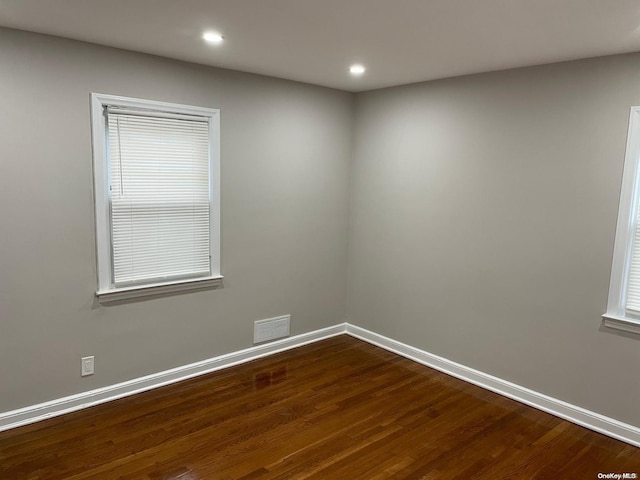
(212, 37)
(357, 69)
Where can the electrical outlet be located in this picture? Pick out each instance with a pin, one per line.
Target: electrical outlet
(271, 328)
(87, 366)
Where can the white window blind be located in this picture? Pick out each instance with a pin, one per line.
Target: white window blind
(633, 281)
(159, 196)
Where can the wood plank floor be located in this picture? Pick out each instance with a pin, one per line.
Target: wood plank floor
(337, 409)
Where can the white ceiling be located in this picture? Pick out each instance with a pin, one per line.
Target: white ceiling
(315, 41)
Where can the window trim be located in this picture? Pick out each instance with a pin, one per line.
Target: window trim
(106, 291)
(616, 315)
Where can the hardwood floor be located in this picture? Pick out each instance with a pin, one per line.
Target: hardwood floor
(337, 409)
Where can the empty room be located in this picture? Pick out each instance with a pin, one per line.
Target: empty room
(304, 239)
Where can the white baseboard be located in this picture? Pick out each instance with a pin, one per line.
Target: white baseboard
(42, 411)
(591, 420)
(594, 421)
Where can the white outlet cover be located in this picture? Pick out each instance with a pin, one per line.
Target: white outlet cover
(87, 366)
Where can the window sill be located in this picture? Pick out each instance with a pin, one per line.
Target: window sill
(621, 323)
(118, 294)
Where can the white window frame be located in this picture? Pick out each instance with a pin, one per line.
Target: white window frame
(617, 316)
(107, 291)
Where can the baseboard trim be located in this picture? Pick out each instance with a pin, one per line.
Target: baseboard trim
(54, 408)
(581, 416)
(578, 415)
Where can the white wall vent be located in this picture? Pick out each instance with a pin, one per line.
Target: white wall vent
(271, 328)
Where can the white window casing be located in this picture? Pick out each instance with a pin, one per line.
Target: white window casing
(623, 306)
(157, 196)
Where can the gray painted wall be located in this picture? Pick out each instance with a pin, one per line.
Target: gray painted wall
(286, 149)
(482, 224)
(482, 214)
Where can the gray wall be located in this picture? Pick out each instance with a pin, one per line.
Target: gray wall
(482, 224)
(286, 149)
(482, 214)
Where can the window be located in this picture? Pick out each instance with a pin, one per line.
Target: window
(157, 196)
(623, 307)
